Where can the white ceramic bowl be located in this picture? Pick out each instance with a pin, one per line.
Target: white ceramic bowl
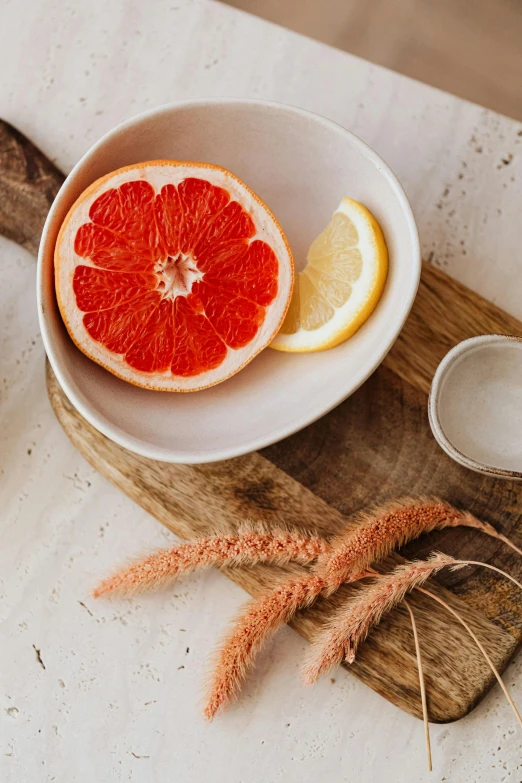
(301, 165)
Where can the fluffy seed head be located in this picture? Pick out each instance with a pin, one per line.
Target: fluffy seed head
(351, 624)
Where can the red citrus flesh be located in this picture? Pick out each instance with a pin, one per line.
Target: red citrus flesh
(174, 277)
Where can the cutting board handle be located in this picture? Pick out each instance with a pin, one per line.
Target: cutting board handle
(29, 183)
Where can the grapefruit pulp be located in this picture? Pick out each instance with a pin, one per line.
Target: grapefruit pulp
(172, 275)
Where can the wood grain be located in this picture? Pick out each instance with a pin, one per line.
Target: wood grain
(375, 446)
(445, 312)
(205, 499)
(28, 184)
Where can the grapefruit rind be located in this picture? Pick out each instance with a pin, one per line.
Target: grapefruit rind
(159, 173)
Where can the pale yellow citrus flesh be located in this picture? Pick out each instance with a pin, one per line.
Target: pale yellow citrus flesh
(342, 282)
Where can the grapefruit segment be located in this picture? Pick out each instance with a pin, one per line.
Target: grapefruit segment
(232, 223)
(101, 289)
(129, 212)
(236, 320)
(250, 272)
(153, 348)
(108, 250)
(200, 203)
(117, 329)
(198, 347)
(172, 275)
(168, 215)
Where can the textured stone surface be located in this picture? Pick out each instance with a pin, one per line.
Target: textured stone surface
(113, 702)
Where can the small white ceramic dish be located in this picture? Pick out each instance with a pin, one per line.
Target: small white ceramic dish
(301, 165)
(475, 405)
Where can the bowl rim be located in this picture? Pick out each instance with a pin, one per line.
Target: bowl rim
(138, 446)
(449, 360)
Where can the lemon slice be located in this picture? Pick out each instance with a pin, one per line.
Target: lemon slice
(341, 284)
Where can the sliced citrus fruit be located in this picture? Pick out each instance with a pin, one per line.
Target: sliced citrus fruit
(341, 284)
(172, 275)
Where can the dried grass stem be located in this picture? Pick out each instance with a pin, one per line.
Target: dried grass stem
(161, 568)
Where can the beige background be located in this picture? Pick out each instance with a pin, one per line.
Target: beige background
(472, 48)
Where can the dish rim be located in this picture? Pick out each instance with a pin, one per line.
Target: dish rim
(171, 455)
(454, 355)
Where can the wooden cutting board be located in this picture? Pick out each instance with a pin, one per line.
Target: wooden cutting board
(375, 446)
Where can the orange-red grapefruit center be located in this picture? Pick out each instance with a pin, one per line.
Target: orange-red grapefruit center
(174, 280)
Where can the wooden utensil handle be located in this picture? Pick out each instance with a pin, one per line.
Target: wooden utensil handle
(29, 183)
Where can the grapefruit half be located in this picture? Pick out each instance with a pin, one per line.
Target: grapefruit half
(172, 275)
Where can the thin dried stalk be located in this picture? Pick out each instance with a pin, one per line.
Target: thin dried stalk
(507, 541)
(160, 569)
(348, 559)
(387, 528)
(351, 624)
(491, 568)
(422, 686)
(260, 619)
(479, 645)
